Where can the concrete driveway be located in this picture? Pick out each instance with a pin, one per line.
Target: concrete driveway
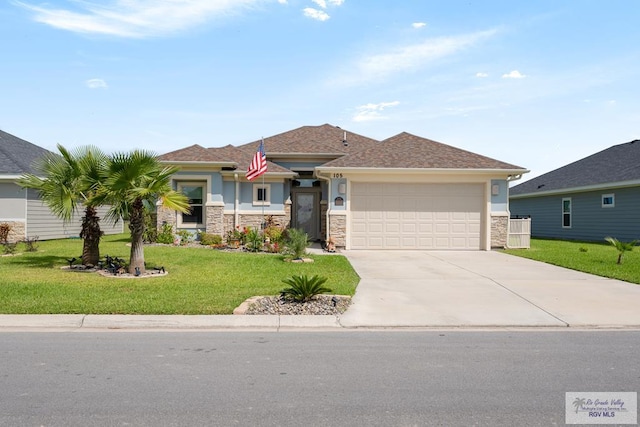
(418, 288)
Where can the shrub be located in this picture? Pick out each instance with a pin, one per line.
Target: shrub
(9, 248)
(31, 243)
(274, 233)
(253, 239)
(621, 247)
(210, 239)
(165, 235)
(150, 234)
(296, 243)
(303, 288)
(4, 232)
(185, 236)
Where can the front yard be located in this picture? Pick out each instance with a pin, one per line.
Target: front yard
(595, 258)
(200, 280)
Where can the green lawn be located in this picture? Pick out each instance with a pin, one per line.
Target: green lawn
(200, 281)
(594, 258)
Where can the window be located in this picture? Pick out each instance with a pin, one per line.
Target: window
(195, 194)
(566, 213)
(262, 194)
(608, 200)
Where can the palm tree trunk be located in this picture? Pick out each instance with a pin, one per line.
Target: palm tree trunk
(91, 235)
(136, 225)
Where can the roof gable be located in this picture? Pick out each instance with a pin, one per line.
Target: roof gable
(618, 163)
(323, 139)
(410, 151)
(18, 156)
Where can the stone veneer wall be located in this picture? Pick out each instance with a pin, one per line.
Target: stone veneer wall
(166, 215)
(499, 231)
(338, 229)
(214, 221)
(17, 232)
(323, 220)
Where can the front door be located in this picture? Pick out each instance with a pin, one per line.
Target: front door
(305, 212)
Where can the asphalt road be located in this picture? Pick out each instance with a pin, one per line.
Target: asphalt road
(345, 378)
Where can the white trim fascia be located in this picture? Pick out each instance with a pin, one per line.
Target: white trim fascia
(12, 177)
(198, 163)
(440, 171)
(273, 176)
(583, 189)
(254, 212)
(14, 219)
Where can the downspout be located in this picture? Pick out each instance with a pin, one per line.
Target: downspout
(328, 180)
(236, 205)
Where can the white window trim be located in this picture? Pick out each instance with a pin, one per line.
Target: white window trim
(613, 200)
(202, 184)
(267, 188)
(570, 213)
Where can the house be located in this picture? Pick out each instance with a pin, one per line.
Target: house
(589, 199)
(22, 209)
(405, 192)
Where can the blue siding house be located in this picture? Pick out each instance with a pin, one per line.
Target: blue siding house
(589, 199)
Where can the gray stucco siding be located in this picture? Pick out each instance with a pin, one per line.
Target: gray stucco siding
(589, 220)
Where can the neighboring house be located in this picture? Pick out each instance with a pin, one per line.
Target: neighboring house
(405, 192)
(22, 209)
(589, 199)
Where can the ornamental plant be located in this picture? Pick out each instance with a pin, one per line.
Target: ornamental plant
(296, 243)
(621, 247)
(303, 288)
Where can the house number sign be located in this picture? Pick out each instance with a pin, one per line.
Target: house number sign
(337, 175)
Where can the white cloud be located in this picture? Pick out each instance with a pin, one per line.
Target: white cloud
(336, 2)
(515, 74)
(404, 58)
(136, 19)
(321, 3)
(482, 75)
(418, 25)
(282, 1)
(369, 112)
(96, 84)
(312, 13)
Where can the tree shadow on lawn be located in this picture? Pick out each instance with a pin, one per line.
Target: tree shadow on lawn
(28, 260)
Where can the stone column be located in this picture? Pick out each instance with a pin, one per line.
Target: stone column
(214, 219)
(338, 228)
(499, 230)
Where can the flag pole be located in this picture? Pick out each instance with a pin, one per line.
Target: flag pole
(264, 191)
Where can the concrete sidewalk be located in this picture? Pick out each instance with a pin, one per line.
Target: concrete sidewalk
(419, 289)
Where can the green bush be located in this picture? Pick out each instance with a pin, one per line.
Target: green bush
(165, 235)
(210, 239)
(185, 236)
(296, 243)
(303, 288)
(274, 233)
(253, 239)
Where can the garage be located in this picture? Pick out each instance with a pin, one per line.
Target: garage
(416, 216)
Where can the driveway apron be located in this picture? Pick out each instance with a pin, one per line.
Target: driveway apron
(483, 288)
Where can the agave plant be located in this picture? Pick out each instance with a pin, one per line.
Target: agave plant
(621, 247)
(304, 288)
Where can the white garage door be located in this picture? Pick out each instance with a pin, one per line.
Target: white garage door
(416, 216)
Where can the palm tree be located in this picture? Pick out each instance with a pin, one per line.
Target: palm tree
(136, 179)
(579, 402)
(69, 180)
(621, 247)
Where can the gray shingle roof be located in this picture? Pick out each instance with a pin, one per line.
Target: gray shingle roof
(409, 151)
(18, 156)
(614, 165)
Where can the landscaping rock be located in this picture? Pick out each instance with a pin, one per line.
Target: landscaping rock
(319, 305)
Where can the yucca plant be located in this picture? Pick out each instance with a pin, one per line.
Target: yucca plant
(304, 288)
(621, 247)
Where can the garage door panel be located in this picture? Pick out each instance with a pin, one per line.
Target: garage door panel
(416, 216)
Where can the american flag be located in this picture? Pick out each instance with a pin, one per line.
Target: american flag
(258, 164)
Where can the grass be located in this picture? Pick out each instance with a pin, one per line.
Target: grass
(595, 258)
(200, 281)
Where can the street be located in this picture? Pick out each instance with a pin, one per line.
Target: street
(343, 378)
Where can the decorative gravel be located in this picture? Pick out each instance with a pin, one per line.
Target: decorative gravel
(320, 305)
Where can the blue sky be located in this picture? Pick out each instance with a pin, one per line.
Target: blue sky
(537, 84)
